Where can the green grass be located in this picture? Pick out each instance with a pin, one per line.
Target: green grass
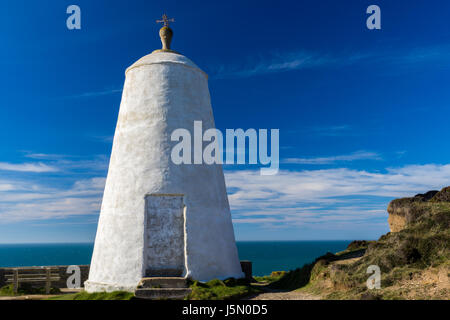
(221, 290)
(212, 290)
(7, 290)
(25, 289)
(116, 295)
(300, 277)
(400, 256)
(355, 246)
(272, 278)
(294, 279)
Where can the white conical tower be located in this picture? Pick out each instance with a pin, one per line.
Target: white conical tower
(159, 218)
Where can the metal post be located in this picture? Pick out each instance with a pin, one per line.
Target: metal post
(47, 281)
(15, 280)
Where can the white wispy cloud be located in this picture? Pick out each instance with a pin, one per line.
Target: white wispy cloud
(329, 196)
(94, 94)
(6, 186)
(27, 167)
(98, 163)
(103, 138)
(44, 156)
(42, 202)
(58, 163)
(36, 197)
(435, 54)
(325, 199)
(272, 64)
(310, 185)
(332, 131)
(359, 155)
(297, 60)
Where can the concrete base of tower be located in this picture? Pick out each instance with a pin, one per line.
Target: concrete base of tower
(91, 287)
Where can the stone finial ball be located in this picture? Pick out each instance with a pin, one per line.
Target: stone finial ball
(166, 35)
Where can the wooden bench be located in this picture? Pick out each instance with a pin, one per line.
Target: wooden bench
(46, 275)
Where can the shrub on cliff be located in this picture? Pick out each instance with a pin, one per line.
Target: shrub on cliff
(442, 196)
(420, 246)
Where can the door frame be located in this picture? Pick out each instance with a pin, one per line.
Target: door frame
(166, 273)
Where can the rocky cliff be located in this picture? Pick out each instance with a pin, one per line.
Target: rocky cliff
(404, 211)
(414, 259)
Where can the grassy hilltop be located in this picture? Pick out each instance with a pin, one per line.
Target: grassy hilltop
(414, 260)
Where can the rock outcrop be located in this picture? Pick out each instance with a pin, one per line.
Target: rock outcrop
(406, 210)
(442, 196)
(413, 260)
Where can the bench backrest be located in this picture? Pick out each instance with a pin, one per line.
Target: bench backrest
(45, 275)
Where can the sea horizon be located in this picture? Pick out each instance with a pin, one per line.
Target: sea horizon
(320, 240)
(266, 255)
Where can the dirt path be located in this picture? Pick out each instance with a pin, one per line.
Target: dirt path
(290, 295)
(39, 296)
(270, 294)
(27, 297)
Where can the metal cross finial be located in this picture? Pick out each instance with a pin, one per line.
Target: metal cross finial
(165, 20)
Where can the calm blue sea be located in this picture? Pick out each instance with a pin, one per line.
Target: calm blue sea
(266, 256)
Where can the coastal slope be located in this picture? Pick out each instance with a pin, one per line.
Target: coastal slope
(413, 258)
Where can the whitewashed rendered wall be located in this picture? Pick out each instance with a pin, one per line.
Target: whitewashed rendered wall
(162, 92)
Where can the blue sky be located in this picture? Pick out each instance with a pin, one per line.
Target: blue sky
(363, 114)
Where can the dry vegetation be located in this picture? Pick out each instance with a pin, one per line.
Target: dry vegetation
(414, 262)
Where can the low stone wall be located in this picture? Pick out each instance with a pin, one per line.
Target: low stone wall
(247, 269)
(62, 271)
